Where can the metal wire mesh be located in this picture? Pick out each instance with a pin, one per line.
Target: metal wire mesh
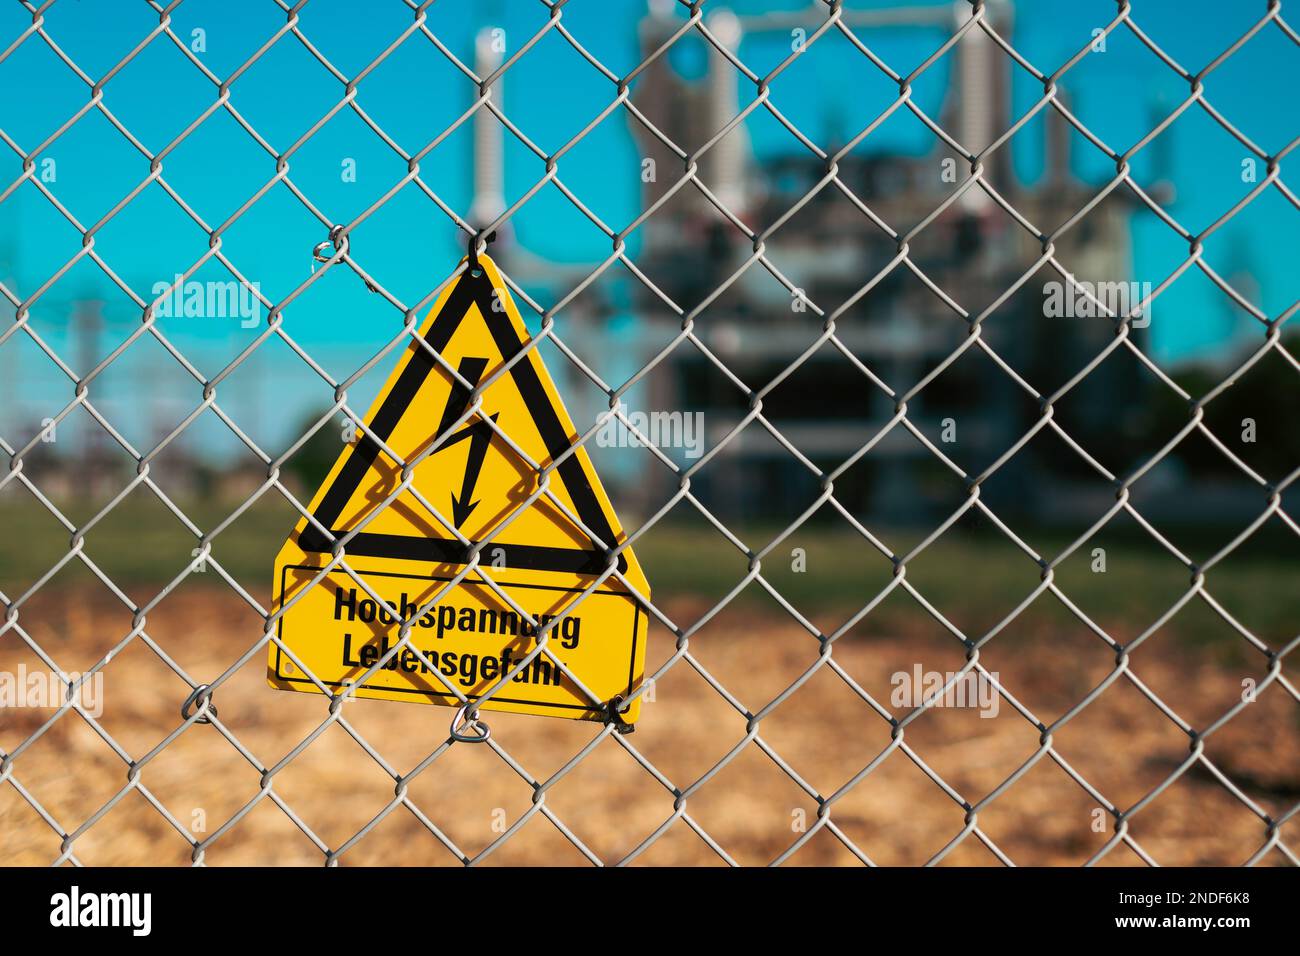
(830, 17)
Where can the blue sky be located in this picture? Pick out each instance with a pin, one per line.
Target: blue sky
(551, 94)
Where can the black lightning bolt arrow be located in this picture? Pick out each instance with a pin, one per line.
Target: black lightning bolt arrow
(479, 434)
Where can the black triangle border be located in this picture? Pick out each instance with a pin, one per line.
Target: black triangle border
(469, 290)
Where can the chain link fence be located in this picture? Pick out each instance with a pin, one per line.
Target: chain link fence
(199, 695)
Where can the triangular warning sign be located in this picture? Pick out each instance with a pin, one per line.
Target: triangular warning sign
(479, 472)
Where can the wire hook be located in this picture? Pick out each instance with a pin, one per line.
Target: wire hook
(472, 253)
(339, 243)
(459, 721)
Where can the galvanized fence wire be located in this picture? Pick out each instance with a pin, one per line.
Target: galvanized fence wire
(829, 16)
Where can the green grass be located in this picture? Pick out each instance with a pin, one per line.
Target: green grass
(975, 577)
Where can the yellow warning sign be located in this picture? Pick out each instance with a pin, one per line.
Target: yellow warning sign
(542, 563)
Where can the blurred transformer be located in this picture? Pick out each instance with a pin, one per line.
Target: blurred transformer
(900, 329)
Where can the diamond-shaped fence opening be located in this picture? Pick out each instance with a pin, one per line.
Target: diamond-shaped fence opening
(968, 440)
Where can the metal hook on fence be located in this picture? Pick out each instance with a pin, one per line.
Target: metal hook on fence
(461, 720)
(336, 241)
(472, 254)
(339, 243)
(614, 715)
(201, 695)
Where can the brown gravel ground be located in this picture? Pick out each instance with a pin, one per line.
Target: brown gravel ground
(1121, 744)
